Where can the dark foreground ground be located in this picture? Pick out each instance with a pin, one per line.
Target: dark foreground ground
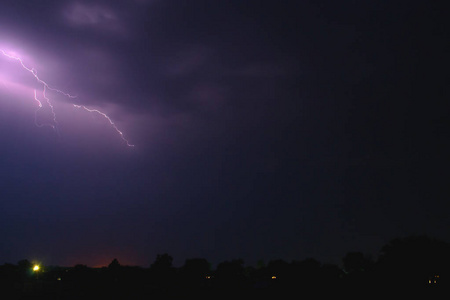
(413, 266)
(40, 290)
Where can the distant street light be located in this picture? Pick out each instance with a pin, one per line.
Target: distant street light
(36, 268)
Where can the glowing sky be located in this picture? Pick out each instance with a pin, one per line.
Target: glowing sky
(260, 129)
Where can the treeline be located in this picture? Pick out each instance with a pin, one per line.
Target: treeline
(411, 265)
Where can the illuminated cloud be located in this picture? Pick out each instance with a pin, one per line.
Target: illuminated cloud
(240, 110)
(18, 63)
(94, 16)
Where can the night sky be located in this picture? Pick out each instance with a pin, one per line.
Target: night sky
(261, 129)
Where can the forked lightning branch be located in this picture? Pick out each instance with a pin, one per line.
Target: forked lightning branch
(46, 86)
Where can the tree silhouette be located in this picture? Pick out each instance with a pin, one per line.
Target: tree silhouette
(196, 267)
(162, 272)
(356, 262)
(412, 265)
(24, 264)
(279, 269)
(413, 260)
(195, 272)
(162, 262)
(230, 274)
(114, 265)
(306, 273)
(24, 267)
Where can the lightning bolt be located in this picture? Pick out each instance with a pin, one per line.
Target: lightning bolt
(46, 87)
(34, 73)
(51, 109)
(107, 118)
(37, 100)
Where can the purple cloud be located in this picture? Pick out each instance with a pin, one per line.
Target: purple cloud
(187, 60)
(240, 110)
(94, 16)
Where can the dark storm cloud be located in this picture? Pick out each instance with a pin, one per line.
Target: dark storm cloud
(262, 129)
